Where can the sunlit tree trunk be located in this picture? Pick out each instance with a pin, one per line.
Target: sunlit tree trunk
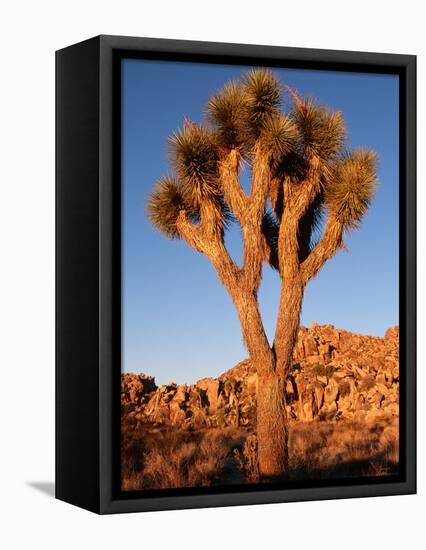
(271, 425)
(287, 326)
(272, 432)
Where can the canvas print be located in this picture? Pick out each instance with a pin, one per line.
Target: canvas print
(260, 317)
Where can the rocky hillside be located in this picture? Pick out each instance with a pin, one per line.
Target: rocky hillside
(336, 375)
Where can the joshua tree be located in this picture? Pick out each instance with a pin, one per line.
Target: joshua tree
(306, 192)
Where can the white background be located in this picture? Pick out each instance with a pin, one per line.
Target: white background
(30, 32)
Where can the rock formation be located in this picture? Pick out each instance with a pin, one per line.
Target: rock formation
(336, 375)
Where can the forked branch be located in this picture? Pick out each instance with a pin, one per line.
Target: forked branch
(330, 242)
(232, 190)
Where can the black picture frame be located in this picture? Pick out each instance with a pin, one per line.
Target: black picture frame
(88, 270)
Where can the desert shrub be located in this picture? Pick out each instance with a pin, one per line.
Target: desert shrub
(209, 459)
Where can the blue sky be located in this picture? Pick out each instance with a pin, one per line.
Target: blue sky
(178, 321)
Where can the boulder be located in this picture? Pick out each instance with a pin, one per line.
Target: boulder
(211, 388)
(310, 346)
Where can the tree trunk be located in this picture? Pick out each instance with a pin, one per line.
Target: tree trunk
(271, 414)
(272, 432)
(288, 325)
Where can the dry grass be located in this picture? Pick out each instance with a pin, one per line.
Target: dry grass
(170, 458)
(329, 450)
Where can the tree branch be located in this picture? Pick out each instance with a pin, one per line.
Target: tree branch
(207, 239)
(253, 235)
(254, 334)
(301, 195)
(261, 182)
(287, 235)
(233, 192)
(297, 198)
(191, 233)
(323, 251)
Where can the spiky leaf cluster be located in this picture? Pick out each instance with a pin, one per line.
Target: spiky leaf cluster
(164, 204)
(195, 160)
(227, 112)
(293, 166)
(322, 131)
(243, 109)
(351, 187)
(245, 115)
(263, 93)
(279, 135)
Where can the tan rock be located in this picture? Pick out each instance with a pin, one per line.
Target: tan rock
(310, 346)
(335, 374)
(211, 387)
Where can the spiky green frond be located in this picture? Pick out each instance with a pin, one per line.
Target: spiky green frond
(194, 157)
(279, 135)
(227, 111)
(294, 165)
(351, 186)
(323, 131)
(163, 207)
(263, 92)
